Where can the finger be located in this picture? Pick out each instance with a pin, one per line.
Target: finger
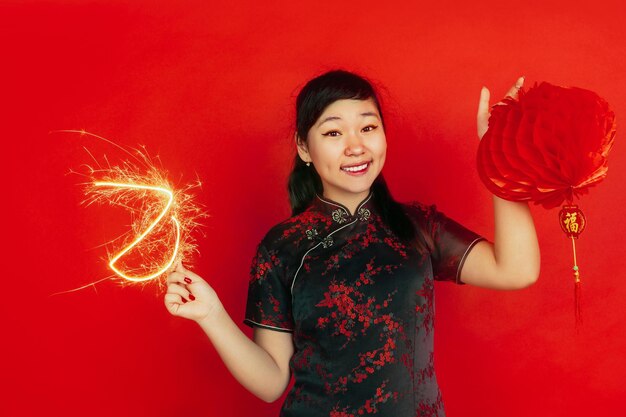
(483, 103)
(514, 91)
(175, 277)
(173, 303)
(180, 291)
(482, 117)
(190, 276)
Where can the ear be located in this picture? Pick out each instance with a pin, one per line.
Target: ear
(303, 150)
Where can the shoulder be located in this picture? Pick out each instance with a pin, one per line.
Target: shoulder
(418, 211)
(296, 231)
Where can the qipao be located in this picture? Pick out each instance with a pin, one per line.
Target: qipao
(360, 305)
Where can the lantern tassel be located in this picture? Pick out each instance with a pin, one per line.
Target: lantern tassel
(577, 288)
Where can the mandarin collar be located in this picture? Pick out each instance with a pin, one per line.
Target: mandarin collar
(340, 213)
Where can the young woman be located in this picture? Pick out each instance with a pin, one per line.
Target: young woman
(341, 293)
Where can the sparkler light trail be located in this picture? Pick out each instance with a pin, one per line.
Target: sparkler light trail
(141, 237)
(162, 218)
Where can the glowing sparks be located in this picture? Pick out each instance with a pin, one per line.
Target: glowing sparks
(162, 218)
(141, 237)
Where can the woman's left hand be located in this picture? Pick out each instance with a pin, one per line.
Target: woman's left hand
(482, 118)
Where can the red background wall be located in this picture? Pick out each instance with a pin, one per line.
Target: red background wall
(210, 88)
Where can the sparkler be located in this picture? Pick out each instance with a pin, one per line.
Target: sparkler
(162, 217)
(143, 235)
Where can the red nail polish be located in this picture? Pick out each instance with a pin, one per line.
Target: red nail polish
(188, 280)
(184, 301)
(191, 297)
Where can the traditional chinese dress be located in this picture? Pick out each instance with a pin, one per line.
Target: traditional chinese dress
(360, 305)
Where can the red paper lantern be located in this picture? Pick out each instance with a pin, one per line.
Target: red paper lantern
(549, 146)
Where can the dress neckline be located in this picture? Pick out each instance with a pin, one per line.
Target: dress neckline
(340, 213)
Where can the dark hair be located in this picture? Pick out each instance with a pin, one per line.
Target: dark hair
(305, 183)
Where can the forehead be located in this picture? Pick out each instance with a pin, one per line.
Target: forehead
(349, 108)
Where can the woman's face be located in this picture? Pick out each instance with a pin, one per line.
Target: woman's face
(347, 148)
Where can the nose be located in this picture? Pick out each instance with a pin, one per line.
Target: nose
(354, 145)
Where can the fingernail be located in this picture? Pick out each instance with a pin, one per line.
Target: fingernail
(191, 297)
(184, 301)
(188, 280)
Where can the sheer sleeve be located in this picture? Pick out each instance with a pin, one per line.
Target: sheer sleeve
(451, 242)
(269, 299)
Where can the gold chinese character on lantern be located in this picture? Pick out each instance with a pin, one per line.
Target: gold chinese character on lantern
(572, 220)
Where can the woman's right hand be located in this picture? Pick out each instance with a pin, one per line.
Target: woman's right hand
(190, 296)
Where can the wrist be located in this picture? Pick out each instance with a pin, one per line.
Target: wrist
(215, 315)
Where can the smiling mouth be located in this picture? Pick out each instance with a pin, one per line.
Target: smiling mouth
(356, 168)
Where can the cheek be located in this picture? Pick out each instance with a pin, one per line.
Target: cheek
(323, 154)
(381, 148)
(382, 160)
(381, 152)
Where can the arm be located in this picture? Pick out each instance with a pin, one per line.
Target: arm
(512, 261)
(262, 365)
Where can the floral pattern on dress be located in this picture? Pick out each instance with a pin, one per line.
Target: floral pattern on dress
(361, 308)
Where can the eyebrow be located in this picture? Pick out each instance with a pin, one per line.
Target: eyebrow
(331, 118)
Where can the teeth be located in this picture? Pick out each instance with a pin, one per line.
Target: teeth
(357, 168)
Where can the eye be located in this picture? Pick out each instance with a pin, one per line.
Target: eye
(369, 128)
(332, 133)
